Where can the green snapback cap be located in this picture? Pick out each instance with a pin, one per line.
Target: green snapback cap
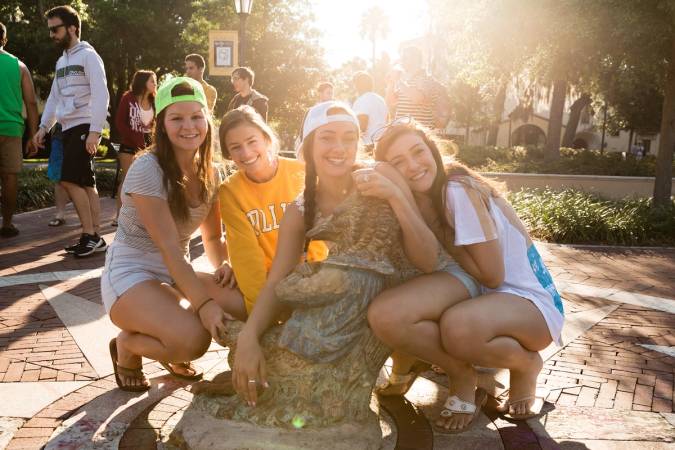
(164, 97)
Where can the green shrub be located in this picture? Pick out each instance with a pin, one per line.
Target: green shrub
(36, 191)
(574, 217)
(578, 162)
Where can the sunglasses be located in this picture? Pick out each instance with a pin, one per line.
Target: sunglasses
(55, 28)
(380, 132)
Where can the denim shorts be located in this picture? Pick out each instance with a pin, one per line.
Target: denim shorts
(125, 267)
(449, 266)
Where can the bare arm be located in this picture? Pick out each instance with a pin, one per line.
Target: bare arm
(483, 261)
(363, 121)
(212, 237)
(29, 99)
(249, 363)
(155, 216)
(419, 242)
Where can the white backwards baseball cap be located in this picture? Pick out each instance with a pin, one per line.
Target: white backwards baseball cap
(317, 116)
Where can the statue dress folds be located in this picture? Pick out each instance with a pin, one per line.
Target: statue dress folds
(322, 363)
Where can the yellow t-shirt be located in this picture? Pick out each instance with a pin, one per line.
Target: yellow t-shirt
(211, 95)
(252, 213)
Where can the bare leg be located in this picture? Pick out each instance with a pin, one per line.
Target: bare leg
(61, 200)
(80, 199)
(406, 318)
(504, 331)
(156, 326)
(94, 208)
(125, 161)
(9, 189)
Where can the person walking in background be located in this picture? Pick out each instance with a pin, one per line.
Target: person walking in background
(78, 100)
(134, 120)
(16, 89)
(412, 92)
(194, 68)
(370, 108)
(325, 90)
(242, 82)
(54, 174)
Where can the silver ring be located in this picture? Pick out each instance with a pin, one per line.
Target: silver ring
(251, 381)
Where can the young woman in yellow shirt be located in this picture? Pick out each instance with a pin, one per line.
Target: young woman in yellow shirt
(254, 199)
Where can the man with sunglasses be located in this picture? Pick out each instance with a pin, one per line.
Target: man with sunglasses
(242, 82)
(78, 100)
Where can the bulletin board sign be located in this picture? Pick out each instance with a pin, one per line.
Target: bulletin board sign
(223, 52)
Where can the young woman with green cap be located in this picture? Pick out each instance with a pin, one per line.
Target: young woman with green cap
(169, 191)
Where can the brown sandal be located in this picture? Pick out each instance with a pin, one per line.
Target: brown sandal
(188, 365)
(136, 373)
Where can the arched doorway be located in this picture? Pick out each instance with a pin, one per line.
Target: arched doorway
(529, 135)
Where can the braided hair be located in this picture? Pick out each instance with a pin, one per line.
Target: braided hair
(311, 177)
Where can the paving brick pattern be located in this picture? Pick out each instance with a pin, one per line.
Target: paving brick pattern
(607, 368)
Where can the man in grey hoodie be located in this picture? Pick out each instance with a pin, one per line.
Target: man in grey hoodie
(78, 100)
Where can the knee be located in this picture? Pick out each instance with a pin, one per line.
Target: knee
(385, 318)
(458, 331)
(189, 344)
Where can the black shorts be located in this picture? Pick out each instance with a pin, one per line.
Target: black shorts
(78, 164)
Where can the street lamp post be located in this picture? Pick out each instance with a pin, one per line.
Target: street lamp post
(243, 8)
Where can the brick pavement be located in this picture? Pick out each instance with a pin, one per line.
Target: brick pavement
(604, 369)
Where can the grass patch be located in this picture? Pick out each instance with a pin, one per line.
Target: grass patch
(575, 217)
(36, 191)
(571, 162)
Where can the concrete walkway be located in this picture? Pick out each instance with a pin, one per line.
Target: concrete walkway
(609, 387)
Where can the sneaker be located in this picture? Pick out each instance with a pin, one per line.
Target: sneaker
(101, 246)
(88, 246)
(71, 248)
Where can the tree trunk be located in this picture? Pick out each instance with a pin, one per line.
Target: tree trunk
(552, 150)
(498, 112)
(630, 141)
(573, 122)
(663, 184)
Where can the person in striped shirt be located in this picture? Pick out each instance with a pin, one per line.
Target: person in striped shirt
(519, 311)
(410, 91)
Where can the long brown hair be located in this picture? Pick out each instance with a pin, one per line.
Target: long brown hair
(174, 180)
(444, 171)
(139, 84)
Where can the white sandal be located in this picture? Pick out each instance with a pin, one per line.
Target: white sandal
(455, 405)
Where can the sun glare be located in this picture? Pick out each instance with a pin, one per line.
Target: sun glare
(340, 22)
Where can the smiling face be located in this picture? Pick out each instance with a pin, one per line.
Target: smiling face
(251, 151)
(413, 159)
(186, 125)
(334, 149)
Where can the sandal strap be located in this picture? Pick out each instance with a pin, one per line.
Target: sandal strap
(455, 405)
(131, 373)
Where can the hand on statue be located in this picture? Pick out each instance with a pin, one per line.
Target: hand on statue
(224, 276)
(371, 183)
(213, 318)
(249, 368)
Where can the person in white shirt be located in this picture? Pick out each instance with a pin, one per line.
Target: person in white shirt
(369, 107)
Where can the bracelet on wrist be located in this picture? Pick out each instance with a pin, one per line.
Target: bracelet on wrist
(210, 299)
